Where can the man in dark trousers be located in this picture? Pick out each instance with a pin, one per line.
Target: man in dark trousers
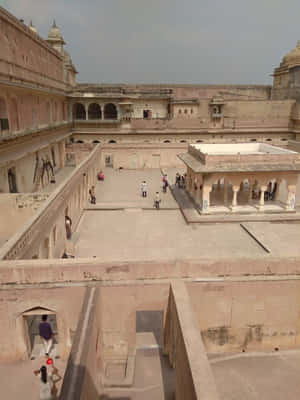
(46, 334)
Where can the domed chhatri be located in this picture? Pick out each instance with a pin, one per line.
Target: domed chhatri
(55, 38)
(293, 57)
(55, 35)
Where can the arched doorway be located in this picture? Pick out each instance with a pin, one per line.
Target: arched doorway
(31, 321)
(94, 111)
(110, 111)
(79, 111)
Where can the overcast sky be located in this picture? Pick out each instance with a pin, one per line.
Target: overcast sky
(170, 41)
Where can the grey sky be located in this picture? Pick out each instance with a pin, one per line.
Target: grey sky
(170, 41)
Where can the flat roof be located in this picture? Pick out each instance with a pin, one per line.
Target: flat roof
(240, 148)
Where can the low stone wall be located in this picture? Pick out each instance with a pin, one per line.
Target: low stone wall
(82, 377)
(184, 346)
(90, 270)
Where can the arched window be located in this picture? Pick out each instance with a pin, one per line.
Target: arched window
(112, 141)
(96, 141)
(268, 140)
(80, 141)
(94, 111)
(199, 141)
(182, 141)
(4, 124)
(253, 140)
(179, 111)
(167, 141)
(110, 111)
(185, 111)
(79, 111)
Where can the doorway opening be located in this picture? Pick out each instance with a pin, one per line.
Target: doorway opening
(12, 180)
(149, 328)
(32, 320)
(109, 161)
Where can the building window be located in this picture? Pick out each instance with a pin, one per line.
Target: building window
(94, 111)
(185, 111)
(110, 111)
(147, 114)
(4, 124)
(179, 111)
(79, 111)
(192, 111)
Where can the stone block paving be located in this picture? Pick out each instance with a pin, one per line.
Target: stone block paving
(17, 380)
(122, 189)
(266, 376)
(158, 235)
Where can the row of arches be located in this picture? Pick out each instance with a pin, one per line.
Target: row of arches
(94, 111)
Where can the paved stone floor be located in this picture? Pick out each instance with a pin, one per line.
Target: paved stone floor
(269, 376)
(138, 232)
(17, 380)
(158, 235)
(124, 187)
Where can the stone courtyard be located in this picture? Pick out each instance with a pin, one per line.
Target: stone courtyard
(125, 226)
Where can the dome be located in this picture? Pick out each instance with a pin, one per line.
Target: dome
(293, 58)
(55, 34)
(32, 28)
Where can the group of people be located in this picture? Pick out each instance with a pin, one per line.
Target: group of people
(180, 180)
(269, 194)
(47, 380)
(157, 199)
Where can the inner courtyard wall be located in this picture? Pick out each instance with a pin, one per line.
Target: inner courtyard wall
(64, 302)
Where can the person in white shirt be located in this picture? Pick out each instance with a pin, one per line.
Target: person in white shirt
(144, 189)
(157, 200)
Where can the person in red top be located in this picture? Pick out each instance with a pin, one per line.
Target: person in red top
(46, 334)
(100, 176)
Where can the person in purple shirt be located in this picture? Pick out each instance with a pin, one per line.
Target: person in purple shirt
(46, 334)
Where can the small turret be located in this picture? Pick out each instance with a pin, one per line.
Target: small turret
(33, 28)
(55, 38)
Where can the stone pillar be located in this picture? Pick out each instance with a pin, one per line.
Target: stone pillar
(235, 190)
(263, 188)
(62, 153)
(192, 191)
(225, 191)
(86, 112)
(250, 193)
(291, 198)
(206, 198)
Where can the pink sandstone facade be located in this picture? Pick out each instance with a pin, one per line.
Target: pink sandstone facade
(55, 136)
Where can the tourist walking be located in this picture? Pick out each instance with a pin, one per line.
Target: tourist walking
(92, 195)
(144, 189)
(157, 200)
(177, 179)
(165, 185)
(46, 334)
(68, 223)
(47, 383)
